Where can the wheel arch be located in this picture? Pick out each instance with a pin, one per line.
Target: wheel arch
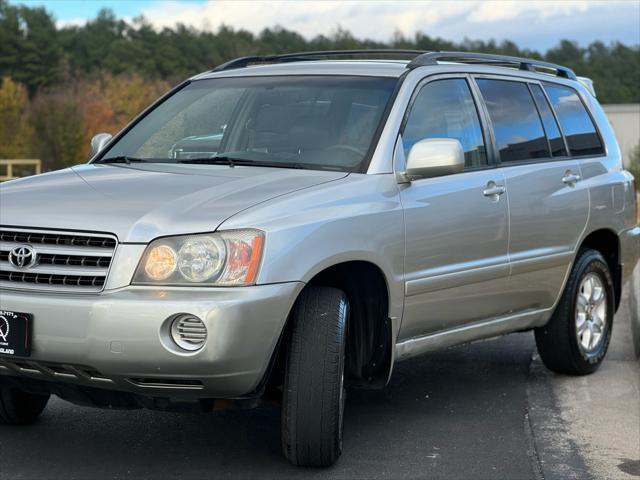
(370, 339)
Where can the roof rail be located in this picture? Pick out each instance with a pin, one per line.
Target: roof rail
(419, 58)
(432, 58)
(310, 56)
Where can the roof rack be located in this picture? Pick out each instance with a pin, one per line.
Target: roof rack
(310, 56)
(419, 58)
(432, 58)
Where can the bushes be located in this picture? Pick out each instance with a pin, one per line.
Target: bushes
(109, 102)
(634, 168)
(16, 132)
(58, 123)
(634, 163)
(57, 120)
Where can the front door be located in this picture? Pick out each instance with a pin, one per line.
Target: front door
(456, 266)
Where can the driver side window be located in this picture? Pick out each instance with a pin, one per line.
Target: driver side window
(446, 109)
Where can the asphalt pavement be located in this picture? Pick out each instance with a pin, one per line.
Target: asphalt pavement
(484, 411)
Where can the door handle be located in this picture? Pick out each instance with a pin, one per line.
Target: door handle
(570, 178)
(494, 190)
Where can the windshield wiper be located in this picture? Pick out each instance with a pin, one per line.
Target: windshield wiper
(243, 162)
(222, 160)
(124, 159)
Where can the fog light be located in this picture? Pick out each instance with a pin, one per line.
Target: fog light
(188, 332)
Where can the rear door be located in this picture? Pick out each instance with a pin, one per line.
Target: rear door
(457, 225)
(547, 202)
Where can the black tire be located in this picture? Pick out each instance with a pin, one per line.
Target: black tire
(314, 395)
(20, 408)
(557, 342)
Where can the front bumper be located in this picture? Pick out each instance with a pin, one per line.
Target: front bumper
(114, 340)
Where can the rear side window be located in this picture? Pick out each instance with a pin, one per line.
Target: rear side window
(445, 109)
(516, 123)
(548, 120)
(576, 123)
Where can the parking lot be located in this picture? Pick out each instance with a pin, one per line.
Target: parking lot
(486, 410)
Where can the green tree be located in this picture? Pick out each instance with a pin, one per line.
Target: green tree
(29, 50)
(89, 46)
(16, 134)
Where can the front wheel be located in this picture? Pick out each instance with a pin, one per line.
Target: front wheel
(576, 339)
(19, 408)
(314, 391)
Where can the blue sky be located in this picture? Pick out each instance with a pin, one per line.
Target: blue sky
(71, 10)
(531, 24)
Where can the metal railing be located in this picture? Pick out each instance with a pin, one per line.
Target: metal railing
(7, 170)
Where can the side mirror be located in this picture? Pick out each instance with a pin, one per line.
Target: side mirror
(434, 157)
(98, 142)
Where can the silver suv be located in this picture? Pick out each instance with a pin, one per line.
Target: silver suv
(291, 226)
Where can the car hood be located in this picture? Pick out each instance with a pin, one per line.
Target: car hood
(140, 203)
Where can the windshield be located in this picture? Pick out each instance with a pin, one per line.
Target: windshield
(316, 122)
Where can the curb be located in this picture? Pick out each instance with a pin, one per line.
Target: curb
(558, 455)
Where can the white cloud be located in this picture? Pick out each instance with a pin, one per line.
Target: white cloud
(376, 20)
(513, 10)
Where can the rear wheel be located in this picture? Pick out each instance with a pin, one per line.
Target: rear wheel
(18, 407)
(314, 392)
(576, 339)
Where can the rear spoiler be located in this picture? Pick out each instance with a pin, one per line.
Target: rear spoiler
(588, 84)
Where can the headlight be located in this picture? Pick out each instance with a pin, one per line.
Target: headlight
(223, 259)
(201, 258)
(161, 262)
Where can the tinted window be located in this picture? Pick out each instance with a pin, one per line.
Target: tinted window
(548, 120)
(516, 122)
(445, 109)
(576, 123)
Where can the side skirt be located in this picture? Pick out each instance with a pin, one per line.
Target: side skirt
(469, 333)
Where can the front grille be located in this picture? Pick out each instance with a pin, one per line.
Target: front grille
(52, 238)
(64, 261)
(74, 260)
(48, 279)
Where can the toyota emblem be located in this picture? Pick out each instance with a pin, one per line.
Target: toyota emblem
(22, 256)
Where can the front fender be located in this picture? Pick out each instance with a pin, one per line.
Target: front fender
(357, 218)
